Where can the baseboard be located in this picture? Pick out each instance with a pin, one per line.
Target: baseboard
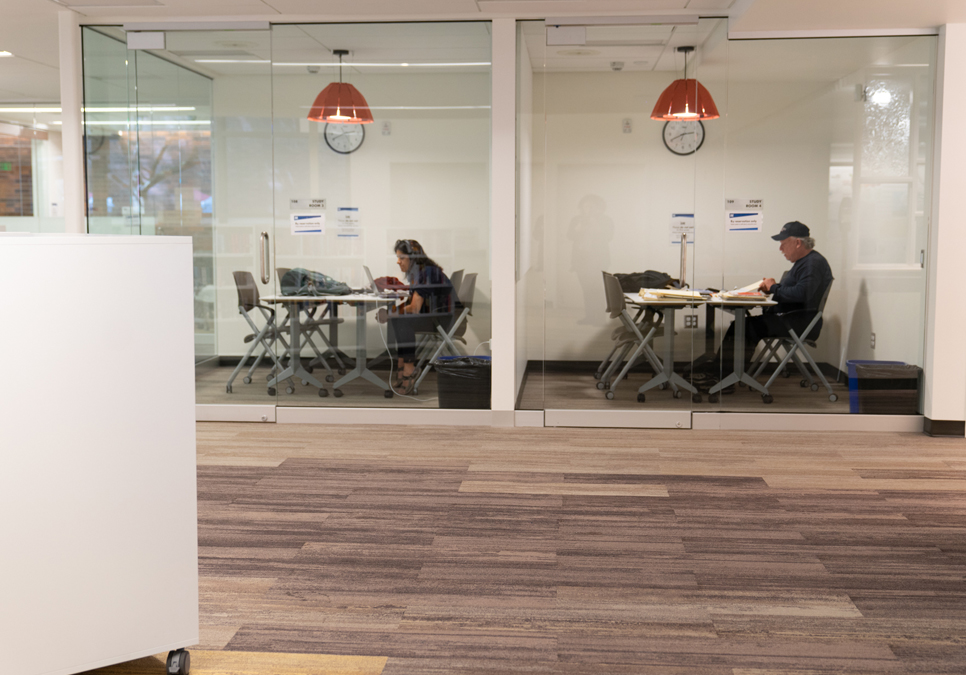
(724, 421)
(955, 428)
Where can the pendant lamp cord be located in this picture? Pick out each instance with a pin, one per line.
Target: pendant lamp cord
(340, 66)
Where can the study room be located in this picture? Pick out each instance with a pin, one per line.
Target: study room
(334, 179)
(721, 225)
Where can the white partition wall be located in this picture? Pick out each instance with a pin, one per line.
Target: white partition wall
(98, 489)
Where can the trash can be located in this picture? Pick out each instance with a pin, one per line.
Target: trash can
(463, 381)
(854, 383)
(888, 389)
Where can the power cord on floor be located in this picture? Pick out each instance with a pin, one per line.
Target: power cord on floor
(485, 342)
(382, 334)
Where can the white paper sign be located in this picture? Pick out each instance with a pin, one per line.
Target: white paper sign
(306, 204)
(350, 221)
(682, 223)
(308, 223)
(744, 215)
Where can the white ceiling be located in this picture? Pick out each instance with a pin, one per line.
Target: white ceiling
(29, 29)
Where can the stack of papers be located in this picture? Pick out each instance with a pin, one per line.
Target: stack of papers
(671, 293)
(749, 292)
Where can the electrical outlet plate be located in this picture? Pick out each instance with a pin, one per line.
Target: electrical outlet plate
(873, 341)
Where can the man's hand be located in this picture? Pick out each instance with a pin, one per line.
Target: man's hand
(766, 285)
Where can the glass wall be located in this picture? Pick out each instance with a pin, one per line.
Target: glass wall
(211, 137)
(31, 173)
(833, 133)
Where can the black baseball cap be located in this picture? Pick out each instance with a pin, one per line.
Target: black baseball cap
(792, 229)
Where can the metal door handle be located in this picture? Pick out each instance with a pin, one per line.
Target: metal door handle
(263, 243)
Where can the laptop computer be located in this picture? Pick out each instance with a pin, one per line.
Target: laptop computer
(375, 289)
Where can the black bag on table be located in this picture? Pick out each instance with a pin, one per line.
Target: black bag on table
(635, 281)
(298, 281)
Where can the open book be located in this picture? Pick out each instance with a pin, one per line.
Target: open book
(749, 292)
(674, 293)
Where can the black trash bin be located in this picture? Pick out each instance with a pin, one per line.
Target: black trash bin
(888, 389)
(463, 381)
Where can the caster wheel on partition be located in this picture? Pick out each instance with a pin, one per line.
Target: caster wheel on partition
(677, 394)
(641, 398)
(712, 398)
(767, 398)
(696, 398)
(179, 662)
(815, 386)
(337, 392)
(247, 380)
(271, 391)
(600, 385)
(323, 393)
(833, 398)
(387, 393)
(609, 396)
(803, 384)
(329, 378)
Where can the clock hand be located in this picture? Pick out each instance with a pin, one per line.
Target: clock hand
(680, 135)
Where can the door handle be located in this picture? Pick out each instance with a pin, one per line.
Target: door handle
(263, 244)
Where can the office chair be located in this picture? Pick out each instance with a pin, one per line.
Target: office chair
(247, 301)
(456, 280)
(630, 335)
(795, 345)
(619, 336)
(447, 339)
(313, 326)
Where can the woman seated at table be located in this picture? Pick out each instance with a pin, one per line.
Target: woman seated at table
(431, 302)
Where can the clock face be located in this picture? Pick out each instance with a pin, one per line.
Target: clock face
(344, 138)
(683, 137)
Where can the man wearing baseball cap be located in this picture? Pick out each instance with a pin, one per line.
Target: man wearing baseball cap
(801, 288)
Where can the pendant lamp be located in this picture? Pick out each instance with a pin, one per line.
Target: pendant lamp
(340, 102)
(685, 99)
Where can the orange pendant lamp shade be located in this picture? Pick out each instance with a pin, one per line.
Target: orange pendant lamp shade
(685, 99)
(340, 102)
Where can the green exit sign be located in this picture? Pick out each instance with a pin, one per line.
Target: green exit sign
(5, 166)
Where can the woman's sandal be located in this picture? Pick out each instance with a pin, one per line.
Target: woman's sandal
(409, 381)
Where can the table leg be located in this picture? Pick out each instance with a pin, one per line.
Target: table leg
(294, 368)
(667, 373)
(739, 374)
(360, 369)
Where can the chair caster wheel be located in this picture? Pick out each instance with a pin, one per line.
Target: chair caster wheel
(337, 392)
(341, 371)
(597, 375)
(677, 394)
(742, 384)
(833, 398)
(662, 386)
(247, 380)
(387, 393)
(803, 383)
(696, 398)
(179, 662)
(786, 374)
(323, 393)
(600, 385)
(309, 369)
(712, 398)
(606, 384)
(289, 390)
(641, 398)
(305, 383)
(271, 391)
(815, 386)
(329, 378)
(767, 398)
(609, 396)
(228, 389)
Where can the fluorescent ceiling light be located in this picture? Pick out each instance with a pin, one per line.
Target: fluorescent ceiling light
(30, 109)
(142, 123)
(386, 65)
(96, 109)
(232, 61)
(4, 54)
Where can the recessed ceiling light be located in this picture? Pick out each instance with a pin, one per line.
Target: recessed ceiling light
(578, 52)
(2, 54)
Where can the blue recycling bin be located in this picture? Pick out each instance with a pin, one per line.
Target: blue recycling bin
(854, 380)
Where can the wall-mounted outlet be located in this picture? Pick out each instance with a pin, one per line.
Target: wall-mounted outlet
(873, 341)
(690, 320)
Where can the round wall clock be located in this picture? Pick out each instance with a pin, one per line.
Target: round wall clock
(683, 137)
(344, 138)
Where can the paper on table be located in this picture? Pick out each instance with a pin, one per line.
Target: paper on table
(670, 293)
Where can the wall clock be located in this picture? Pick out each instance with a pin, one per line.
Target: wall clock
(683, 137)
(344, 138)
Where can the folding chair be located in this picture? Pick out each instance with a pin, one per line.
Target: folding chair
(795, 345)
(769, 353)
(456, 280)
(619, 336)
(447, 338)
(630, 336)
(313, 326)
(247, 301)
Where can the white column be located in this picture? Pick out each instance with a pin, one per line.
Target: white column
(945, 356)
(503, 219)
(71, 101)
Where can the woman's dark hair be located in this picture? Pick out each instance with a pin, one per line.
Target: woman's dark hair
(417, 256)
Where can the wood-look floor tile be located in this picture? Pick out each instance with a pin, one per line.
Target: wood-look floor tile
(254, 663)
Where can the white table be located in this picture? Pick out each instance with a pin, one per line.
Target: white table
(667, 374)
(740, 307)
(363, 303)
